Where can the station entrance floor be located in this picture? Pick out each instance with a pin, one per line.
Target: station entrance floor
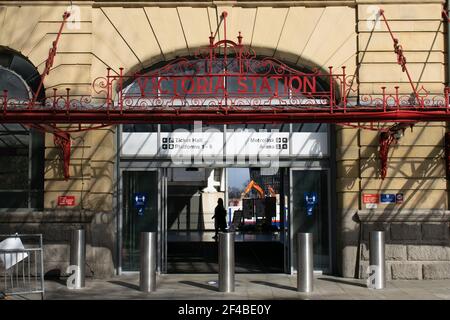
(198, 253)
(248, 286)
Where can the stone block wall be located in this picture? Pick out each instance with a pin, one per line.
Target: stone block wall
(413, 251)
(416, 165)
(416, 168)
(91, 170)
(56, 228)
(419, 29)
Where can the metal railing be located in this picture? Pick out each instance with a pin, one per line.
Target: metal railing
(21, 265)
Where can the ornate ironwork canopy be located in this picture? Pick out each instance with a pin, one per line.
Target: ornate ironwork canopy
(225, 82)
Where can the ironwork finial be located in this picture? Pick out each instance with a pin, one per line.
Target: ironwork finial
(239, 38)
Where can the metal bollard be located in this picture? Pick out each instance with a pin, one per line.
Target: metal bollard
(147, 274)
(305, 266)
(78, 256)
(226, 262)
(377, 258)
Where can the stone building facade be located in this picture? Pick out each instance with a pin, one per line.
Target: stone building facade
(138, 34)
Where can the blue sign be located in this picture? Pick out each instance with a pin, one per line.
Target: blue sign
(140, 202)
(311, 199)
(387, 198)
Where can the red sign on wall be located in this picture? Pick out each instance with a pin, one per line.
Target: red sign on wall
(371, 198)
(66, 201)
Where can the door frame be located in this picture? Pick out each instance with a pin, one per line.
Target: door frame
(160, 249)
(290, 218)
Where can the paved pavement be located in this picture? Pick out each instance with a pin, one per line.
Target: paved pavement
(248, 287)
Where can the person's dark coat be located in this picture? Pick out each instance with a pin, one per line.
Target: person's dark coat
(220, 214)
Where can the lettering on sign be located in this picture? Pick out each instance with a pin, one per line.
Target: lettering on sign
(272, 85)
(66, 201)
(371, 198)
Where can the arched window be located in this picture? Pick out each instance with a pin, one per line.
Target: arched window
(16, 86)
(22, 67)
(21, 149)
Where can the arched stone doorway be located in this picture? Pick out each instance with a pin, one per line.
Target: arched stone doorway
(184, 168)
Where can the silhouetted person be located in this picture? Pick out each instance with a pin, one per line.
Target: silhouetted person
(219, 217)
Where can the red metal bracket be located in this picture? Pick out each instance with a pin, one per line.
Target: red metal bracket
(401, 60)
(385, 141)
(62, 140)
(50, 59)
(387, 138)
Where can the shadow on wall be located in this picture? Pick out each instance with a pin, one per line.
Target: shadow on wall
(415, 177)
(422, 170)
(91, 180)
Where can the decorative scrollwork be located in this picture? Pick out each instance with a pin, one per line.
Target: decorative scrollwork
(228, 76)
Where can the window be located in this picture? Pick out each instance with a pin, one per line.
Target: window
(21, 148)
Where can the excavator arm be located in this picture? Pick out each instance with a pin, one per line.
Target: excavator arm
(253, 185)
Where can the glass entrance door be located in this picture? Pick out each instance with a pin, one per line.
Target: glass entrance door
(257, 212)
(310, 213)
(140, 211)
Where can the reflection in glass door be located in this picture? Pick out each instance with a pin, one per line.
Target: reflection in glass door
(257, 210)
(310, 213)
(140, 208)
